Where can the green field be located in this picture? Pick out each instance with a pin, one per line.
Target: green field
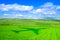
(29, 29)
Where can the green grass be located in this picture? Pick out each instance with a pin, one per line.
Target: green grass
(25, 29)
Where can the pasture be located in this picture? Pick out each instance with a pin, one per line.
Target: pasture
(29, 29)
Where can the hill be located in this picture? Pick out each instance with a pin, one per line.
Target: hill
(29, 29)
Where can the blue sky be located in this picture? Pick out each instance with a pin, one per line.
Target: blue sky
(30, 2)
(30, 9)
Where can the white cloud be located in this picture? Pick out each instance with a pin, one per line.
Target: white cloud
(46, 10)
(37, 11)
(19, 15)
(48, 4)
(18, 7)
(58, 7)
(5, 14)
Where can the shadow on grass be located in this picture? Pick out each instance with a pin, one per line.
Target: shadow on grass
(34, 30)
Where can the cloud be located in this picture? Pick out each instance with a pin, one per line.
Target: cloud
(19, 15)
(47, 10)
(37, 11)
(58, 7)
(5, 14)
(7, 7)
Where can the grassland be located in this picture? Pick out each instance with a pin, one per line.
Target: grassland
(29, 29)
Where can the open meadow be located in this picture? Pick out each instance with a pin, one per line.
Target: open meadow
(29, 29)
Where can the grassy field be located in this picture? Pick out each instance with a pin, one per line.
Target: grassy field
(25, 29)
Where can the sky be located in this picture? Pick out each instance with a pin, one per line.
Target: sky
(30, 9)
